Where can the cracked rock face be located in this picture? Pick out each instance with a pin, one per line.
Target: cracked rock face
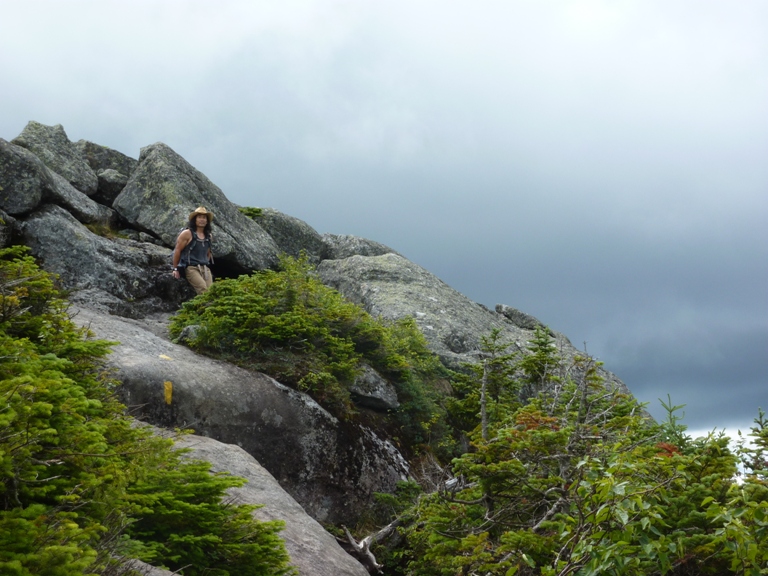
(53, 147)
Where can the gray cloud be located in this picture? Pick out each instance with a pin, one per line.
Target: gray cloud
(598, 165)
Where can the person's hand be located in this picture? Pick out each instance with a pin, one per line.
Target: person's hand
(175, 274)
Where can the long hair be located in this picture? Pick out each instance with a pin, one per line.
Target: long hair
(193, 226)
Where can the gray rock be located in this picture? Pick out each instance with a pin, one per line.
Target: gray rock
(53, 147)
(80, 205)
(165, 188)
(24, 179)
(111, 183)
(188, 334)
(331, 468)
(520, 319)
(123, 276)
(371, 390)
(293, 235)
(144, 237)
(313, 551)
(393, 287)
(102, 158)
(134, 566)
(344, 245)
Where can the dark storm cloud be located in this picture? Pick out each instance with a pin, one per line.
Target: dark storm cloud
(598, 165)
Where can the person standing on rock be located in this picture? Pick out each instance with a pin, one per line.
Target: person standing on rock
(192, 255)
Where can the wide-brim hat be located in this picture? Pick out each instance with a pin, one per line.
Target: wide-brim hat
(201, 211)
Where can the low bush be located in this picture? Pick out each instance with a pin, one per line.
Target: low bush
(80, 484)
(289, 325)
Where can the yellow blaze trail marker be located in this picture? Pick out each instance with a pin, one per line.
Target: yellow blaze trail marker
(168, 388)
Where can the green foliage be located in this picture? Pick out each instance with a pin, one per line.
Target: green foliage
(72, 465)
(541, 365)
(743, 517)
(252, 213)
(289, 325)
(672, 429)
(488, 387)
(180, 517)
(578, 482)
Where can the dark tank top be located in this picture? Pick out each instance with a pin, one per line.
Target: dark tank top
(198, 254)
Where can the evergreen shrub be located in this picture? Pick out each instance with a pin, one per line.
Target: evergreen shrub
(80, 484)
(286, 323)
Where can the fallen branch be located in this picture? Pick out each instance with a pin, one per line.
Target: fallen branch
(362, 550)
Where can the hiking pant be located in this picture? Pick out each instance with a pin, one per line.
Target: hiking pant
(199, 277)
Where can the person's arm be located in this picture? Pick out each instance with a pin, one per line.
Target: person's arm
(181, 242)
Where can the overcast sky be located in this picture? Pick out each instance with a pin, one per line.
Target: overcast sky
(602, 166)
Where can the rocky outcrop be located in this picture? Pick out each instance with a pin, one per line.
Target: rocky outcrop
(111, 183)
(345, 245)
(80, 205)
(101, 158)
(53, 147)
(393, 287)
(519, 319)
(117, 275)
(293, 236)
(331, 468)
(27, 183)
(165, 188)
(112, 169)
(24, 179)
(313, 551)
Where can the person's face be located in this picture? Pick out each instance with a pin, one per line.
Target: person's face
(201, 220)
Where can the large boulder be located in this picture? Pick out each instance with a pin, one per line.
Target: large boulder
(292, 235)
(24, 179)
(101, 158)
(345, 245)
(331, 468)
(53, 147)
(111, 183)
(25, 183)
(112, 168)
(122, 276)
(371, 390)
(164, 189)
(80, 205)
(313, 551)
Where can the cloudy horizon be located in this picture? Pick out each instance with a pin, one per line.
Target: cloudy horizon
(601, 166)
